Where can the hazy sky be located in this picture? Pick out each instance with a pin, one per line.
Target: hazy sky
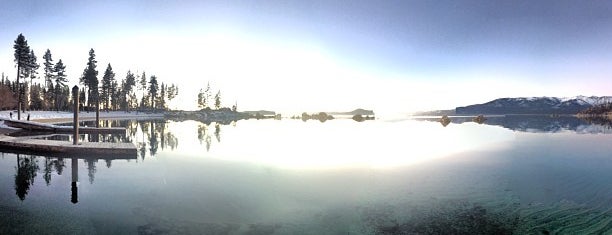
(330, 55)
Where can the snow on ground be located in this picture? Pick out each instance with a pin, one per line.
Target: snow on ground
(39, 115)
(34, 115)
(3, 126)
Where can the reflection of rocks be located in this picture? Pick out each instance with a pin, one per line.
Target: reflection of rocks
(322, 116)
(480, 119)
(223, 116)
(445, 120)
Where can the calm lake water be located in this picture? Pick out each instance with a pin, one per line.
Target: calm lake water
(511, 175)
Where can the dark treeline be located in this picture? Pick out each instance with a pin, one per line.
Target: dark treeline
(597, 110)
(26, 92)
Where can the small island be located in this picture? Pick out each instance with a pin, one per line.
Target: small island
(358, 115)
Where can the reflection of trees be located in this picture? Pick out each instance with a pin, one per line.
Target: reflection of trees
(129, 125)
(27, 167)
(218, 132)
(204, 135)
(153, 140)
(171, 141)
(59, 165)
(131, 128)
(157, 135)
(91, 169)
(47, 175)
(50, 164)
(144, 127)
(202, 129)
(143, 150)
(27, 170)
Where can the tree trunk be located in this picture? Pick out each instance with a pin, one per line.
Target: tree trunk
(18, 93)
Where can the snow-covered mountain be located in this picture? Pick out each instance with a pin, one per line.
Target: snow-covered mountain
(535, 105)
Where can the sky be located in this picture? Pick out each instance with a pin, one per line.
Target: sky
(294, 56)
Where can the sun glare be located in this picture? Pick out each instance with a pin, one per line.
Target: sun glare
(340, 144)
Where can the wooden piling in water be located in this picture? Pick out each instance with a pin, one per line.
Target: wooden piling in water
(75, 120)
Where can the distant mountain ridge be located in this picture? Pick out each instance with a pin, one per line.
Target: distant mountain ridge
(535, 105)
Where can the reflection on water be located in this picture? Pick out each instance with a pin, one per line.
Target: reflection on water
(26, 170)
(74, 190)
(538, 123)
(151, 133)
(204, 135)
(341, 177)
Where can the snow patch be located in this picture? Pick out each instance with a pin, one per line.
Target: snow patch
(55, 115)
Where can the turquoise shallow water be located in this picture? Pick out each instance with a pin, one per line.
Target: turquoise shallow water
(337, 177)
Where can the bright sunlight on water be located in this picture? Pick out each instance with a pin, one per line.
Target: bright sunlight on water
(336, 177)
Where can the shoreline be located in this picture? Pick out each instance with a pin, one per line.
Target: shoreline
(54, 117)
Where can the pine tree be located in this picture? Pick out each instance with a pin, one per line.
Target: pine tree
(153, 90)
(127, 88)
(48, 66)
(82, 97)
(49, 76)
(161, 100)
(63, 96)
(31, 73)
(32, 67)
(114, 94)
(143, 88)
(218, 100)
(60, 81)
(172, 92)
(90, 78)
(207, 95)
(201, 100)
(107, 82)
(22, 58)
(36, 97)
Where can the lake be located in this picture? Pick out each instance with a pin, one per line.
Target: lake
(521, 175)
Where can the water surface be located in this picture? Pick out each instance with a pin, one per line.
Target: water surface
(337, 177)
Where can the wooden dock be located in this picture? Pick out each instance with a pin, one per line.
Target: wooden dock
(65, 148)
(35, 145)
(44, 127)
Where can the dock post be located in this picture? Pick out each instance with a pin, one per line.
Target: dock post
(75, 178)
(75, 120)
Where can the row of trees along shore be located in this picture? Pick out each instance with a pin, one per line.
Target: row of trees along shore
(53, 93)
(206, 101)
